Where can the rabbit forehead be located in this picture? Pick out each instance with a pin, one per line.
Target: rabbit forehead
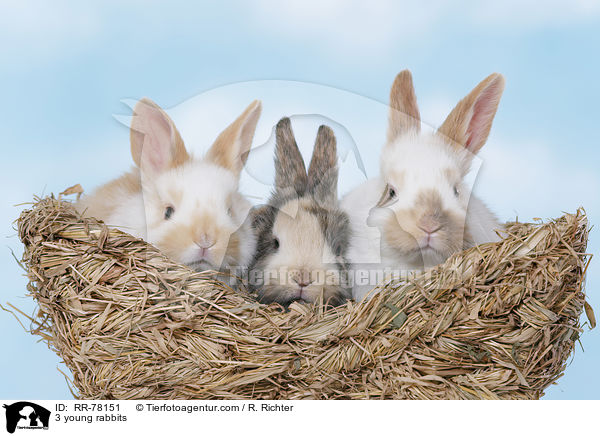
(197, 185)
(302, 242)
(421, 163)
(295, 221)
(419, 154)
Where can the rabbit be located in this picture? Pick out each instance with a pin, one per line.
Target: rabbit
(303, 236)
(189, 208)
(419, 211)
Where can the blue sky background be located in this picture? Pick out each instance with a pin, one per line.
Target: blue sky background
(66, 67)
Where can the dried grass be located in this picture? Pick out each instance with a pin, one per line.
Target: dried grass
(496, 321)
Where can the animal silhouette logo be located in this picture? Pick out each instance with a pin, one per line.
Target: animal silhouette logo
(26, 415)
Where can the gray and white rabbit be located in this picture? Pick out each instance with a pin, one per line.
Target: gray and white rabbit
(419, 211)
(302, 234)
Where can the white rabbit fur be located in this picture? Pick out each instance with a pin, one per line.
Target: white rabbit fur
(206, 227)
(419, 211)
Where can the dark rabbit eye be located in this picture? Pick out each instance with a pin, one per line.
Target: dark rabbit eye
(169, 212)
(275, 243)
(455, 191)
(388, 196)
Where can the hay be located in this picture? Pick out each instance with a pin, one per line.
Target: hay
(498, 321)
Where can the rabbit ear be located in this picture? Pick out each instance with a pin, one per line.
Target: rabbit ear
(404, 113)
(290, 171)
(323, 170)
(230, 149)
(470, 121)
(155, 142)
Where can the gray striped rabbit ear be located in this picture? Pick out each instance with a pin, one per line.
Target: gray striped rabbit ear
(290, 172)
(323, 169)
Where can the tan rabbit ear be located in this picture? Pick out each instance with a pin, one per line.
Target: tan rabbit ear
(230, 149)
(323, 170)
(404, 112)
(290, 172)
(470, 121)
(155, 142)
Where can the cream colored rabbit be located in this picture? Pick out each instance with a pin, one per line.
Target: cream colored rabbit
(420, 210)
(189, 208)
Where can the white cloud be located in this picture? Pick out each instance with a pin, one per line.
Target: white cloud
(46, 29)
(345, 27)
(531, 179)
(532, 15)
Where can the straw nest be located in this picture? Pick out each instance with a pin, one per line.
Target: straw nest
(498, 321)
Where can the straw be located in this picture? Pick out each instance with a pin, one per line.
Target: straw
(498, 321)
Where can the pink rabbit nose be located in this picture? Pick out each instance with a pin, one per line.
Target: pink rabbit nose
(430, 229)
(302, 278)
(429, 224)
(205, 242)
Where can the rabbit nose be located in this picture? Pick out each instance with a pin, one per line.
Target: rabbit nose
(205, 242)
(430, 229)
(302, 278)
(429, 225)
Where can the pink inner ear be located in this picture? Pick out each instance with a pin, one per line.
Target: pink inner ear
(484, 110)
(156, 150)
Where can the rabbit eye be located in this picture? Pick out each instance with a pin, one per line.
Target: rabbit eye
(275, 243)
(456, 191)
(389, 195)
(169, 212)
(230, 212)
